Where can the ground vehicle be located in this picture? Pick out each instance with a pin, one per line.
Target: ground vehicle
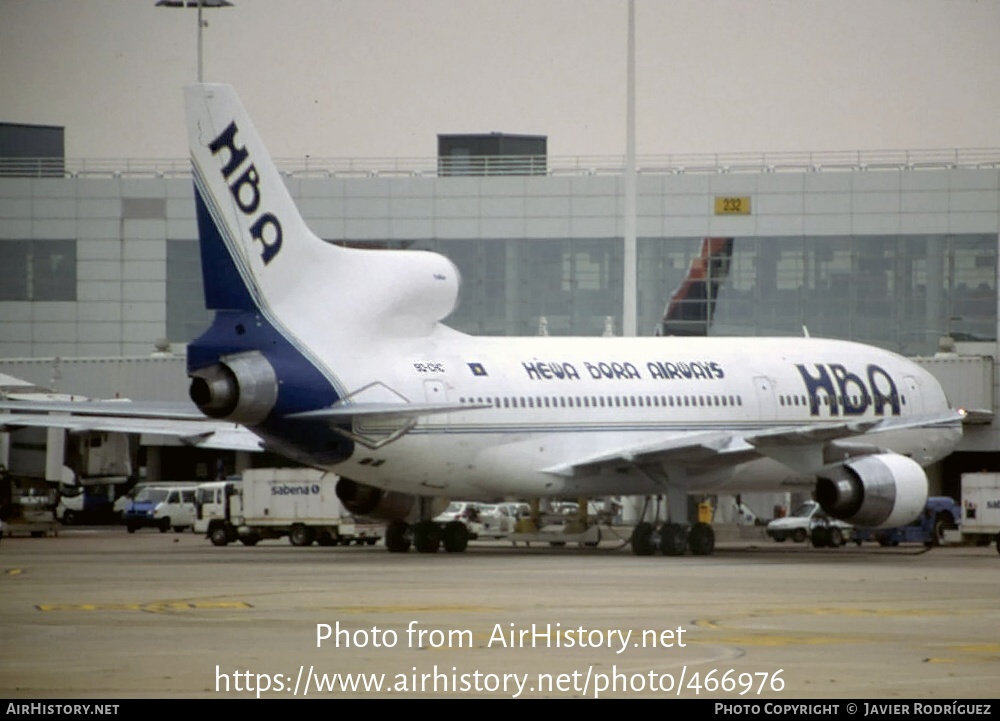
(495, 521)
(808, 521)
(464, 511)
(26, 506)
(300, 503)
(981, 508)
(940, 514)
(481, 520)
(516, 509)
(216, 505)
(160, 505)
(90, 503)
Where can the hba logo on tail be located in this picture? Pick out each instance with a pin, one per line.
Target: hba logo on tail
(855, 394)
(245, 190)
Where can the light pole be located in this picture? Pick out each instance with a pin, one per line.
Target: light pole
(200, 4)
(630, 254)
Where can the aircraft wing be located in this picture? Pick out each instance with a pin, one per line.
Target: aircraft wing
(802, 447)
(361, 411)
(194, 431)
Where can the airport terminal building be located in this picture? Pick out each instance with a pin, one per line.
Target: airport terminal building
(101, 260)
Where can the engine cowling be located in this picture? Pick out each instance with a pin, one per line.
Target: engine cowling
(882, 490)
(362, 500)
(242, 388)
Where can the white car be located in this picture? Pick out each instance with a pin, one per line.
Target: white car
(464, 511)
(483, 520)
(494, 521)
(809, 522)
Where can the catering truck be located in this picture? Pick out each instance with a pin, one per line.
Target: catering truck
(981, 508)
(300, 503)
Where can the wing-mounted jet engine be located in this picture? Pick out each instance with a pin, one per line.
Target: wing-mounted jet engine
(882, 490)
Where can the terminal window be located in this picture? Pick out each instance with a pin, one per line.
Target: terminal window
(38, 270)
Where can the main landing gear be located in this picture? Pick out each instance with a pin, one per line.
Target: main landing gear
(673, 539)
(426, 536)
(677, 536)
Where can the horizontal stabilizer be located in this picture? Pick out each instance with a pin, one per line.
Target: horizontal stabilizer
(125, 409)
(202, 433)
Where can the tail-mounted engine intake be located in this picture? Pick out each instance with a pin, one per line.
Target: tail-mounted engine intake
(242, 388)
(362, 500)
(878, 491)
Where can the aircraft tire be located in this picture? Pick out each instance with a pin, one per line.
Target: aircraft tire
(642, 540)
(701, 539)
(398, 537)
(673, 539)
(455, 537)
(820, 537)
(836, 538)
(426, 537)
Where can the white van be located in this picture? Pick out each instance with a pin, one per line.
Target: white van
(162, 506)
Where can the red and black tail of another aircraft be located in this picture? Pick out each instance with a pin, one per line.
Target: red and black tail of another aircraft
(691, 306)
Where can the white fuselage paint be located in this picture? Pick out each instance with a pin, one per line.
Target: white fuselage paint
(547, 408)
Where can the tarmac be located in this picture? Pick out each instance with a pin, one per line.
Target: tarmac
(96, 613)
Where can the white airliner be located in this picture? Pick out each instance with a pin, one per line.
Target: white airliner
(339, 358)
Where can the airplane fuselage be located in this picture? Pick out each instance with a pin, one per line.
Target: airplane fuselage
(538, 404)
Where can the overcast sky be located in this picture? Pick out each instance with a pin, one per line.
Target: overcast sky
(381, 78)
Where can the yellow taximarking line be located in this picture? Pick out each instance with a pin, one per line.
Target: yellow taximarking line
(976, 653)
(412, 609)
(834, 611)
(153, 606)
(764, 639)
(718, 623)
(967, 659)
(979, 648)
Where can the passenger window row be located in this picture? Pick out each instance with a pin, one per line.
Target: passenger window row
(855, 401)
(607, 401)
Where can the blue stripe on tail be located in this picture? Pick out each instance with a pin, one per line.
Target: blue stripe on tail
(239, 326)
(224, 288)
